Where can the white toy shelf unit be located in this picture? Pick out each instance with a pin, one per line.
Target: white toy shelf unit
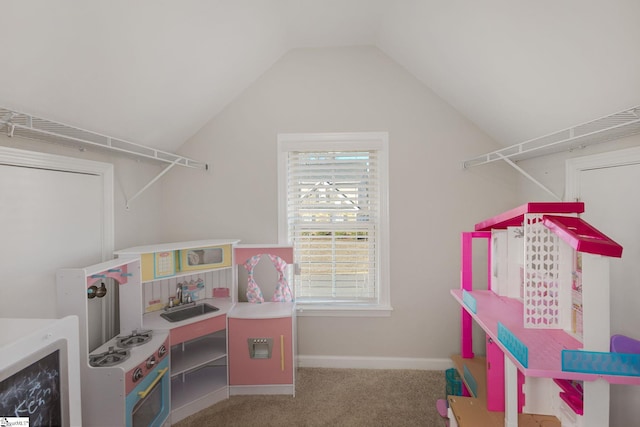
(546, 316)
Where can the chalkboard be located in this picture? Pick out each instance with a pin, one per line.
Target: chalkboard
(34, 392)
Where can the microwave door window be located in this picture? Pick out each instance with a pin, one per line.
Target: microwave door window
(206, 256)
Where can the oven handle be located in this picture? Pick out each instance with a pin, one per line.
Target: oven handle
(161, 372)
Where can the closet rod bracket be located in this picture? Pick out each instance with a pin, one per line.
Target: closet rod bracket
(150, 183)
(530, 177)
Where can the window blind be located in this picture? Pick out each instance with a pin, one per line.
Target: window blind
(333, 204)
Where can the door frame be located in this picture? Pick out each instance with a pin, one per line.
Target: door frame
(33, 159)
(620, 395)
(575, 166)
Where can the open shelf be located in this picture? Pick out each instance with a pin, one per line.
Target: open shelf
(196, 353)
(471, 411)
(199, 389)
(197, 384)
(477, 366)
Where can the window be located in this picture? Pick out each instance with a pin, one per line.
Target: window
(333, 210)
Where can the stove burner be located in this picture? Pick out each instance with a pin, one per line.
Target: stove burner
(136, 338)
(109, 358)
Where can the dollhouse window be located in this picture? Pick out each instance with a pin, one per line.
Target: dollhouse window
(332, 198)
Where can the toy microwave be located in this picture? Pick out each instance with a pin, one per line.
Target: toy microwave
(205, 258)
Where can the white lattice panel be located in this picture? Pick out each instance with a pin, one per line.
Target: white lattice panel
(541, 275)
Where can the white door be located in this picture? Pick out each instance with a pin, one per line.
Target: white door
(54, 213)
(608, 185)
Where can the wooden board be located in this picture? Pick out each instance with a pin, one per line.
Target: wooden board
(478, 368)
(472, 412)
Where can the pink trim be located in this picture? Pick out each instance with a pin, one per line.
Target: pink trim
(243, 370)
(495, 377)
(130, 385)
(466, 335)
(466, 271)
(521, 380)
(466, 283)
(572, 394)
(242, 254)
(515, 216)
(582, 236)
(198, 329)
(489, 263)
(220, 292)
(120, 276)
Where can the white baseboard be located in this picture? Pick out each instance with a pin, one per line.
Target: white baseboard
(235, 390)
(361, 362)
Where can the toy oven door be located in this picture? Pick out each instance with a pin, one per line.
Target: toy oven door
(148, 404)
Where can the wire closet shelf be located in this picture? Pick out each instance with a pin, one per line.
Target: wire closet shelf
(23, 125)
(615, 126)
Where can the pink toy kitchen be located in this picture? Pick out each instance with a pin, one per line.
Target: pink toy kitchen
(164, 333)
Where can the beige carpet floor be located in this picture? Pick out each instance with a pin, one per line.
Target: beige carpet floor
(336, 397)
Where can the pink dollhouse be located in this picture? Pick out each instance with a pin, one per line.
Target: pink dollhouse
(545, 313)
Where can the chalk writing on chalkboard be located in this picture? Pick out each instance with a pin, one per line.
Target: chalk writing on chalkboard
(34, 392)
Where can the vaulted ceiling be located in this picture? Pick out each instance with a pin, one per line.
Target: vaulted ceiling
(154, 71)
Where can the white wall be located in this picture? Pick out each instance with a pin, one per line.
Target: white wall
(432, 199)
(140, 224)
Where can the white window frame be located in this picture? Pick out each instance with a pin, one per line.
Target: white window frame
(378, 141)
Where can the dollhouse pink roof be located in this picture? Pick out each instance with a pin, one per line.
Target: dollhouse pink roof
(514, 217)
(582, 236)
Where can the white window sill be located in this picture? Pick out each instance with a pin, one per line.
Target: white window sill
(317, 310)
